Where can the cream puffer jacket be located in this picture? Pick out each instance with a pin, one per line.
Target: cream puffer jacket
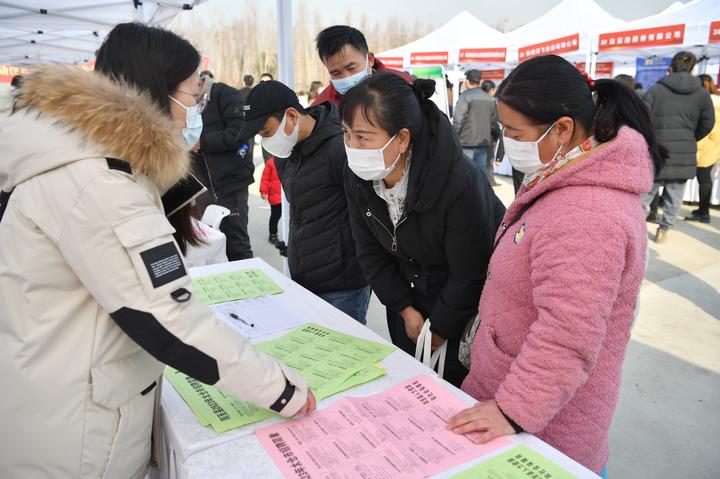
(94, 296)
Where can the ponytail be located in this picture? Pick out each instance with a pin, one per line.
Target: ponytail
(617, 105)
(424, 89)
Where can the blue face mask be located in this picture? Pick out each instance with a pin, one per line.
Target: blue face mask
(342, 85)
(193, 124)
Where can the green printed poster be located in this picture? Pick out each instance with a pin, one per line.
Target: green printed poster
(330, 361)
(242, 284)
(520, 462)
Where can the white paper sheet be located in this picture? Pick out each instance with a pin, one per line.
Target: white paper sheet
(266, 315)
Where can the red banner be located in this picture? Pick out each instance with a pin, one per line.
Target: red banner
(647, 37)
(392, 62)
(714, 32)
(492, 74)
(602, 69)
(570, 43)
(7, 72)
(429, 58)
(482, 55)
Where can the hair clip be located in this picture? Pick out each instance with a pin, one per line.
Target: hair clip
(589, 80)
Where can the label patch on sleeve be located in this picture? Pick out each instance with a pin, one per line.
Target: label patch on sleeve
(163, 264)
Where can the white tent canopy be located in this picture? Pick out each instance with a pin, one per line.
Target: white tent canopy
(584, 18)
(696, 16)
(462, 31)
(70, 31)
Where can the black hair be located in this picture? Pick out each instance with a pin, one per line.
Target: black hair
(16, 81)
(151, 59)
(683, 62)
(278, 115)
(626, 80)
(639, 86)
(266, 74)
(393, 102)
(548, 87)
(333, 39)
(154, 61)
(708, 84)
(314, 87)
(248, 80)
(487, 85)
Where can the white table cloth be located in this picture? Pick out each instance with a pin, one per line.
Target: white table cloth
(194, 451)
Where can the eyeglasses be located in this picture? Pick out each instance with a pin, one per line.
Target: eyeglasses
(201, 100)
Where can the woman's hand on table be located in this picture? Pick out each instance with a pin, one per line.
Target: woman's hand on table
(484, 419)
(310, 404)
(413, 322)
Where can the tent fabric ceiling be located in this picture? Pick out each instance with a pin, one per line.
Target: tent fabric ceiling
(584, 17)
(70, 31)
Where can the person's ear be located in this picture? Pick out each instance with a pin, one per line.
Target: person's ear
(565, 128)
(403, 139)
(371, 59)
(293, 117)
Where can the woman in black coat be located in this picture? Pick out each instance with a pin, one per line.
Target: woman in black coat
(422, 218)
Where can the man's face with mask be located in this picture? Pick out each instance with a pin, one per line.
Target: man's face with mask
(348, 61)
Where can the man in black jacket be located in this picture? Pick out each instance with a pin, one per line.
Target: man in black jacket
(311, 162)
(224, 163)
(682, 114)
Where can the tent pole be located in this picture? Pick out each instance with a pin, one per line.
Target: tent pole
(285, 75)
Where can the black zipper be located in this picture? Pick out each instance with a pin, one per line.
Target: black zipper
(207, 168)
(393, 235)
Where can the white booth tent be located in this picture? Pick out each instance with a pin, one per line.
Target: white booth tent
(70, 31)
(696, 17)
(462, 31)
(583, 18)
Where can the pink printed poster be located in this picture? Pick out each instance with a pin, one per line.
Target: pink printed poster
(399, 433)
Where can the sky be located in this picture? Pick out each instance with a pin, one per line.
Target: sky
(436, 12)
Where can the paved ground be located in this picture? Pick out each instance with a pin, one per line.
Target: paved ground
(668, 419)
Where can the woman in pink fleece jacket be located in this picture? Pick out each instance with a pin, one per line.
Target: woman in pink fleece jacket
(570, 256)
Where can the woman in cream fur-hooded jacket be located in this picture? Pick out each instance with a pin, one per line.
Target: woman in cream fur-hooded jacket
(94, 296)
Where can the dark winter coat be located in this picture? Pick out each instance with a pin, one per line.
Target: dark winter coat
(476, 118)
(321, 251)
(436, 258)
(225, 161)
(682, 114)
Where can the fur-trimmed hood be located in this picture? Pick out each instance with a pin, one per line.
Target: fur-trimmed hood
(64, 114)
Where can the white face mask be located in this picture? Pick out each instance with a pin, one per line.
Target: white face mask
(280, 144)
(193, 124)
(370, 164)
(342, 85)
(525, 155)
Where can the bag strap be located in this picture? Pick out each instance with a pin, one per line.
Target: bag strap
(424, 353)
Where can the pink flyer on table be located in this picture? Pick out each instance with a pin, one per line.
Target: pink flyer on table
(399, 433)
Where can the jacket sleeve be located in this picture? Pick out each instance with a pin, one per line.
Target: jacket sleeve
(120, 245)
(265, 180)
(469, 234)
(379, 266)
(576, 268)
(706, 122)
(460, 111)
(495, 131)
(230, 109)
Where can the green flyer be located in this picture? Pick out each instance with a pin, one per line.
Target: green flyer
(520, 462)
(243, 284)
(330, 361)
